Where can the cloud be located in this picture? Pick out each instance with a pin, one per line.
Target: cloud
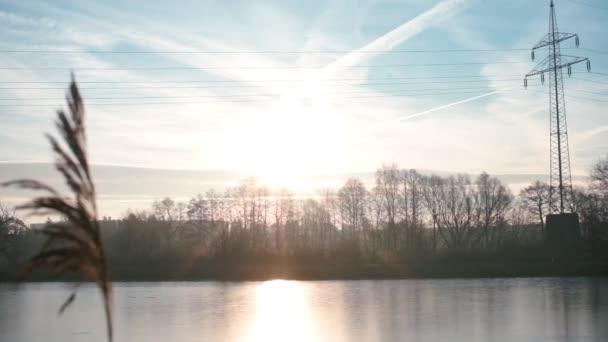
(397, 36)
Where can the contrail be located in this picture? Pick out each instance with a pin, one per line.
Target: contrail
(390, 40)
(446, 106)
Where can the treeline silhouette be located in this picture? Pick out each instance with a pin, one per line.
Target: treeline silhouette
(406, 224)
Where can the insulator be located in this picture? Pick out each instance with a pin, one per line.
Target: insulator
(542, 78)
(576, 41)
(532, 55)
(569, 70)
(588, 65)
(526, 83)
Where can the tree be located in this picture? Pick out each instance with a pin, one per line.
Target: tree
(10, 228)
(432, 191)
(492, 200)
(411, 205)
(351, 201)
(456, 212)
(165, 209)
(599, 177)
(535, 199)
(283, 205)
(387, 187)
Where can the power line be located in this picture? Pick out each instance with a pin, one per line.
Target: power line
(488, 77)
(257, 67)
(270, 100)
(588, 4)
(507, 80)
(253, 100)
(273, 80)
(242, 52)
(589, 92)
(486, 88)
(258, 86)
(258, 52)
(593, 81)
(254, 86)
(596, 51)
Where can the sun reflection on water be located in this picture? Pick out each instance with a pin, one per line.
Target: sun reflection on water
(282, 313)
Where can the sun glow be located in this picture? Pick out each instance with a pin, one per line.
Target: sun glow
(287, 142)
(282, 313)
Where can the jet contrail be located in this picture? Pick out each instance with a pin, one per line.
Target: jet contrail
(446, 106)
(390, 40)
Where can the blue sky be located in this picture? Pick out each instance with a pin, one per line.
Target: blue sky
(335, 115)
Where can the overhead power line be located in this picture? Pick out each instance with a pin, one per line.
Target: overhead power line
(485, 88)
(253, 100)
(243, 52)
(214, 85)
(276, 80)
(484, 78)
(257, 67)
(256, 52)
(589, 4)
(592, 81)
(232, 86)
(257, 86)
(409, 94)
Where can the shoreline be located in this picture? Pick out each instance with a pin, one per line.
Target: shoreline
(286, 271)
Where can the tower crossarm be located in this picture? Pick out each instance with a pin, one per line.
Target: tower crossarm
(544, 66)
(550, 38)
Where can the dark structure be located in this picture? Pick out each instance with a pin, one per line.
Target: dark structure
(560, 193)
(563, 231)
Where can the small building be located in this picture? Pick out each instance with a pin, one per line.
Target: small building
(563, 233)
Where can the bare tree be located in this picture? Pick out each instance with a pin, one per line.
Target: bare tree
(165, 209)
(432, 194)
(351, 200)
(456, 212)
(387, 187)
(411, 205)
(535, 199)
(282, 207)
(599, 177)
(492, 200)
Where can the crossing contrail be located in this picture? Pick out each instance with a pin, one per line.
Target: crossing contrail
(390, 40)
(446, 106)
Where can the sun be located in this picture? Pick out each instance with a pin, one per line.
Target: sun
(287, 142)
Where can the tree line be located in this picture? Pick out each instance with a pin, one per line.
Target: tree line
(404, 216)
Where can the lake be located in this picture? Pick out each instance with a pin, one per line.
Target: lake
(518, 309)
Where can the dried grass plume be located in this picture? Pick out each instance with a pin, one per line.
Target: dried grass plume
(74, 244)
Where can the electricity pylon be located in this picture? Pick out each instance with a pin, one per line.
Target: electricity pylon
(560, 193)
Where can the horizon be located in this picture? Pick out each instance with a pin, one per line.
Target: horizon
(301, 130)
(118, 194)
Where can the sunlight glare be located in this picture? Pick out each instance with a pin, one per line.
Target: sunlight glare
(289, 141)
(282, 312)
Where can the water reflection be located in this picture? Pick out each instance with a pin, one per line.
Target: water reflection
(283, 313)
(535, 309)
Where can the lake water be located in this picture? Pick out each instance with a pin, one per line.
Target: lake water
(533, 309)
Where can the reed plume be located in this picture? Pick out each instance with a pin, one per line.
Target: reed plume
(74, 244)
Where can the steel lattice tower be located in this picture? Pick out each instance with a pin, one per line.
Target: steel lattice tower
(560, 193)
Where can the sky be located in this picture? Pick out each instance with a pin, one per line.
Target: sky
(286, 89)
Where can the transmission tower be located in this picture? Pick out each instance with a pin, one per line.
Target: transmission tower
(560, 193)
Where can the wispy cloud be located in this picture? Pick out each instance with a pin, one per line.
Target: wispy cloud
(392, 39)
